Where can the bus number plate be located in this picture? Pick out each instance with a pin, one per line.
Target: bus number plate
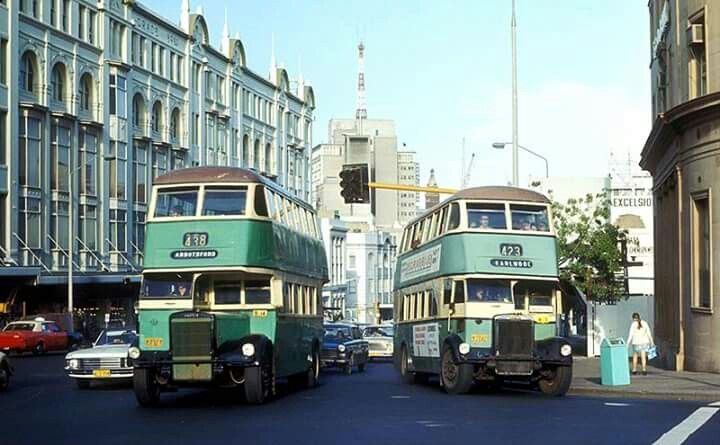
(195, 239)
(511, 250)
(477, 339)
(153, 342)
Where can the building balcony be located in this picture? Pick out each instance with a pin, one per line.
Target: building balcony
(141, 130)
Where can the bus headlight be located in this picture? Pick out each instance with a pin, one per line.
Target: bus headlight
(464, 348)
(565, 350)
(341, 348)
(248, 349)
(74, 363)
(134, 352)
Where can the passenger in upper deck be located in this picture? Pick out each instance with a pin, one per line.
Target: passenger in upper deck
(483, 222)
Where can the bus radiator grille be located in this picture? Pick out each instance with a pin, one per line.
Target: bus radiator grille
(514, 337)
(191, 337)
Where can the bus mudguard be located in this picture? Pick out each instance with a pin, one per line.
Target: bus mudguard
(548, 351)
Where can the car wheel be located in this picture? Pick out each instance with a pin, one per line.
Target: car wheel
(559, 384)
(82, 383)
(4, 378)
(147, 389)
(39, 348)
(456, 378)
(349, 365)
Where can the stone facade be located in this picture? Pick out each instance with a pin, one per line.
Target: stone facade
(682, 153)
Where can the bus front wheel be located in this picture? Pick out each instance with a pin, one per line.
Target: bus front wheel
(558, 383)
(259, 382)
(457, 378)
(147, 389)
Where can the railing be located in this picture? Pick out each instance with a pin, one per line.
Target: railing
(6, 258)
(64, 252)
(29, 250)
(92, 254)
(118, 252)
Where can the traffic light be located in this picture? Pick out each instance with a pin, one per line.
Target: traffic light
(354, 184)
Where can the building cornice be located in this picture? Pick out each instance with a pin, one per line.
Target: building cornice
(669, 124)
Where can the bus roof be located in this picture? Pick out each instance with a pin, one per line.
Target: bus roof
(223, 175)
(500, 193)
(219, 175)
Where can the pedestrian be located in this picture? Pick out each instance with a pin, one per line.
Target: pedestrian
(640, 338)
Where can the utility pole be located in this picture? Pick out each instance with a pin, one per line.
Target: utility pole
(515, 173)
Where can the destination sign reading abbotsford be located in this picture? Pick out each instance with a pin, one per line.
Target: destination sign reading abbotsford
(193, 254)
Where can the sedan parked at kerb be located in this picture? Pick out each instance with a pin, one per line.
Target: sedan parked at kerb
(36, 336)
(344, 347)
(106, 360)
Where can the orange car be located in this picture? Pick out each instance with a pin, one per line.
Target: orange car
(36, 336)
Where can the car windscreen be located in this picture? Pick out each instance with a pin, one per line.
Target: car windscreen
(116, 338)
(176, 202)
(494, 291)
(168, 286)
(378, 332)
(19, 327)
(339, 332)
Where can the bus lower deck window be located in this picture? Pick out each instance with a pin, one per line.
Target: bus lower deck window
(227, 294)
(257, 292)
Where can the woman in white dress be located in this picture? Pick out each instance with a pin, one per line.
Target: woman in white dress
(640, 339)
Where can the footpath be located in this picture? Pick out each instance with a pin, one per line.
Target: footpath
(657, 384)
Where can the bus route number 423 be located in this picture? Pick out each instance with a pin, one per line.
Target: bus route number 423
(195, 239)
(511, 250)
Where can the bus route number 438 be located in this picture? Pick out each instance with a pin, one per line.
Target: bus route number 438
(195, 239)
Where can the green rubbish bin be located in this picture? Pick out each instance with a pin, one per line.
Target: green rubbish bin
(614, 368)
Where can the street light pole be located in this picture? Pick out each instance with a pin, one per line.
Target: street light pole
(71, 239)
(501, 145)
(515, 172)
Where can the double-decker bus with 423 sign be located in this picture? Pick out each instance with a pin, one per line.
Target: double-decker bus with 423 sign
(477, 298)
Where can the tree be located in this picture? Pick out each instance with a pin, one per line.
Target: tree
(588, 251)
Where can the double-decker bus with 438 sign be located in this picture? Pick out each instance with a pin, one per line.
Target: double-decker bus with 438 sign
(477, 296)
(230, 295)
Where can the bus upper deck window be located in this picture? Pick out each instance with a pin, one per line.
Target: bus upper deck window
(454, 220)
(486, 216)
(529, 217)
(224, 201)
(176, 202)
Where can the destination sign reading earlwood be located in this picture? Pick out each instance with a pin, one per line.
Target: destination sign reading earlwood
(523, 264)
(420, 264)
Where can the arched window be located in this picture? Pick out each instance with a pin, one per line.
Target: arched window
(245, 151)
(28, 70)
(138, 110)
(157, 116)
(268, 157)
(175, 125)
(58, 82)
(86, 92)
(256, 154)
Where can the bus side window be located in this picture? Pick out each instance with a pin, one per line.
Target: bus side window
(442, 226)
(447, 292)
(454, 220)
(459, 292)
(433, 303)
(260, 203)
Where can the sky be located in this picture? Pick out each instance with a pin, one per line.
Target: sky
(442, 70)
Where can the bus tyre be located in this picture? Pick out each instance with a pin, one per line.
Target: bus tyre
(259, 382)
(313, 377)
(147, 389)
(349, 365)
(405, 373)
(457, 378)
(559, 382)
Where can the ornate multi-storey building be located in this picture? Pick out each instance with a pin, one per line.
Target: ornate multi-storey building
(97, 98)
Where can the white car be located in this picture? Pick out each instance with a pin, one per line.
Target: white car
(106, 360)
(5, 372)
(380, 340)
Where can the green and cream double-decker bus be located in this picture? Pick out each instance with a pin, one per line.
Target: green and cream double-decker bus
(477, 296)
(231, 287)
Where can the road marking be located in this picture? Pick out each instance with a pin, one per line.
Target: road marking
(616, 404)
(684, 429)
(400, 397)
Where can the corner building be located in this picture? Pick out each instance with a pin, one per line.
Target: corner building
(97, 98)
(682, 152)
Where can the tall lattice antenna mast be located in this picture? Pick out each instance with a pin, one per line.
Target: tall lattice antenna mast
(361, 112)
